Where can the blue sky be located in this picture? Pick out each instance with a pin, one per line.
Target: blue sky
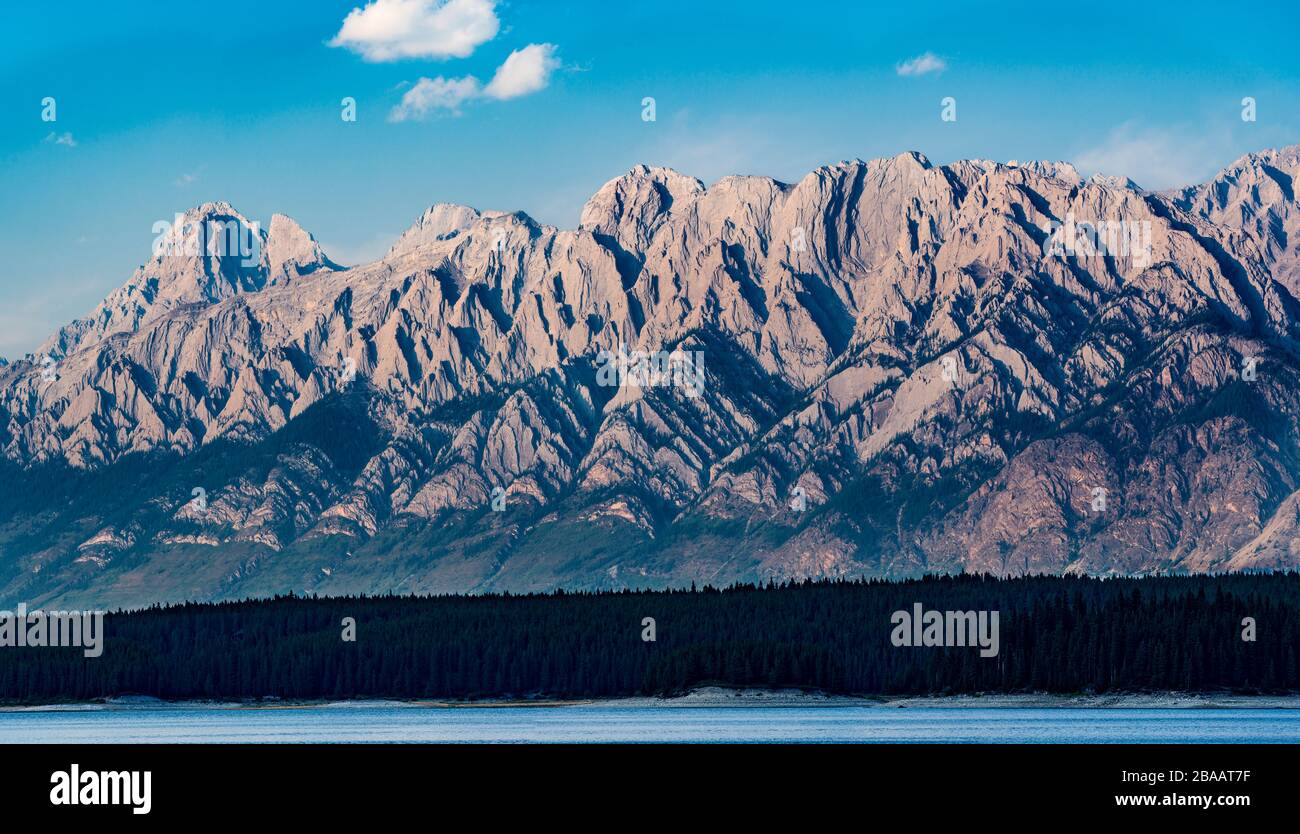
(161, 106)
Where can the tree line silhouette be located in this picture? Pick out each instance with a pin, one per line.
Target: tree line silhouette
(1057, 634)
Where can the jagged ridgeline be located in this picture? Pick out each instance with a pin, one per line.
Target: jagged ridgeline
(1236, 633)
(889, 368)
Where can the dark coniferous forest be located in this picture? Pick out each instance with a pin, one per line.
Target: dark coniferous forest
(1057, 634)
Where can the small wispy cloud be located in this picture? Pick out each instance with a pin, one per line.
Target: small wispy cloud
(64, 139)
(390, 30)
(185, 179)
(429, 95)
(524, 72)
(925, 64)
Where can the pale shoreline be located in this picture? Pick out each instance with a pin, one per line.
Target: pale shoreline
(715, 696)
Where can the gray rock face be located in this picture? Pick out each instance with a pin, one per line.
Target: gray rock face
(887, 368)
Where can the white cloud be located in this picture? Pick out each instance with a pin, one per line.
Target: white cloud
(389, 30)
(64, 139)
(922, 65)
(432, 94)
(185, 179)
(526, 71)
(1157, 158)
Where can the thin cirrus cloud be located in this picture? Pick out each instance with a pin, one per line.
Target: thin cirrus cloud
(525, 71)
(1157, 157)
(391, 30)
(65, 139)
(922, 65)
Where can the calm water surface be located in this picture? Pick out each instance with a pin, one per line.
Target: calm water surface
(605, 723)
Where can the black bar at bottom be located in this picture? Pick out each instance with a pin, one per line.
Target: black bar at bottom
(969, 783)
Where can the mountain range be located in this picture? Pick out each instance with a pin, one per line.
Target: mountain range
(888, 368)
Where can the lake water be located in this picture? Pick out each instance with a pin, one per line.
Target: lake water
(625, 723)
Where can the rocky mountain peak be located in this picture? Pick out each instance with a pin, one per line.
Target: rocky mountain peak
(292, 251)
(203, 255)
(1063, 171)
(629, 207)
(916, 158)
(1256, 196)
(885, 368)
(1111, 181)
(439, 222)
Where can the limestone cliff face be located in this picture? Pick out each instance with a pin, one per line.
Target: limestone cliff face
(887, 368)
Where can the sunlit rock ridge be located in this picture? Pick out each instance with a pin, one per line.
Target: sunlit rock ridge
(906, 368)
